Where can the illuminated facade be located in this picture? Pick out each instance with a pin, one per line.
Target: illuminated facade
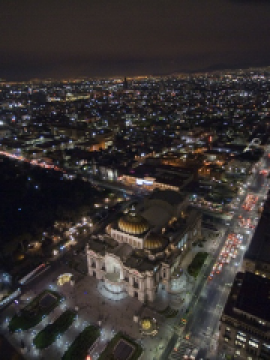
(140, 251)
(148, 183)
(156, 176)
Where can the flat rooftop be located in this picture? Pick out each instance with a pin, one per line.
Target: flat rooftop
(254, 296)
(259, 248)
(250, 294)
(170, 196)
(171, 175)
(102, 243)
(140, 263)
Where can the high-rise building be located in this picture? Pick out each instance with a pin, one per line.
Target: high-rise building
(125, 84)
(257, 256)
(245, 321)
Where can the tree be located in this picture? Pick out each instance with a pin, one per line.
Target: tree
(9, 248)
(23, 240)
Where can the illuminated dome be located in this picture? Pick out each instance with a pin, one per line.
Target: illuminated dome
(146, 324)
(154, 242)
(133, 223)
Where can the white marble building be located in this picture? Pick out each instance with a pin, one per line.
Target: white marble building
(142, 249)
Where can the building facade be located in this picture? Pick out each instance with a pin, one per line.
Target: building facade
(141, 250)
(257, 257)
(245, 322)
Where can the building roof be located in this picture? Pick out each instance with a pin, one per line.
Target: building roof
(157, 216)
(122, 251)
(133, 224)
(155, 242)
(250, 294)
(254, 296)
(166, 174)
(169, 196)
(140, 262)
(259, 248)
(102, 244)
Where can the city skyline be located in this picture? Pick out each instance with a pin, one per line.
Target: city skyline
(132, 211)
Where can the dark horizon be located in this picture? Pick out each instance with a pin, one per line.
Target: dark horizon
(129, 74)
(101, 39)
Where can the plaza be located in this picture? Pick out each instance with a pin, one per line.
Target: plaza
(111, 312)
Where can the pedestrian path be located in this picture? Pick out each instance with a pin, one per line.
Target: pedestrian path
(57, 348)
(27, 336)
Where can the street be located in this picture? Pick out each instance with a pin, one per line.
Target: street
(209, 298)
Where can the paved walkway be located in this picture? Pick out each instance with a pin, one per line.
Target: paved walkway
(111, 312)
(93, 308)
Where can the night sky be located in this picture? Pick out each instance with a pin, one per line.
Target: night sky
(129, 37)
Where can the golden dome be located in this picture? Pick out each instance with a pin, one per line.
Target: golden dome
(146, 324)
(154, 242)
(133, 224)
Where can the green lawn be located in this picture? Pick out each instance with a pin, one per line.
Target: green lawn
(78, 349)
(108, 352)
(49, 334)
(195, 266)
(33, 313)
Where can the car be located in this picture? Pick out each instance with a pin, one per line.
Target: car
(193, 354)
(219, 268)
(187, 353)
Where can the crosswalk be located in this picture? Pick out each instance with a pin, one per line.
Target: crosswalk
(179, 351)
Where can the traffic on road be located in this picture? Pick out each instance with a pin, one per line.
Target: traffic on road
(200, 328)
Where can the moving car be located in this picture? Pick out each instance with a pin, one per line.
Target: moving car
(193, 354)
(187, 354)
